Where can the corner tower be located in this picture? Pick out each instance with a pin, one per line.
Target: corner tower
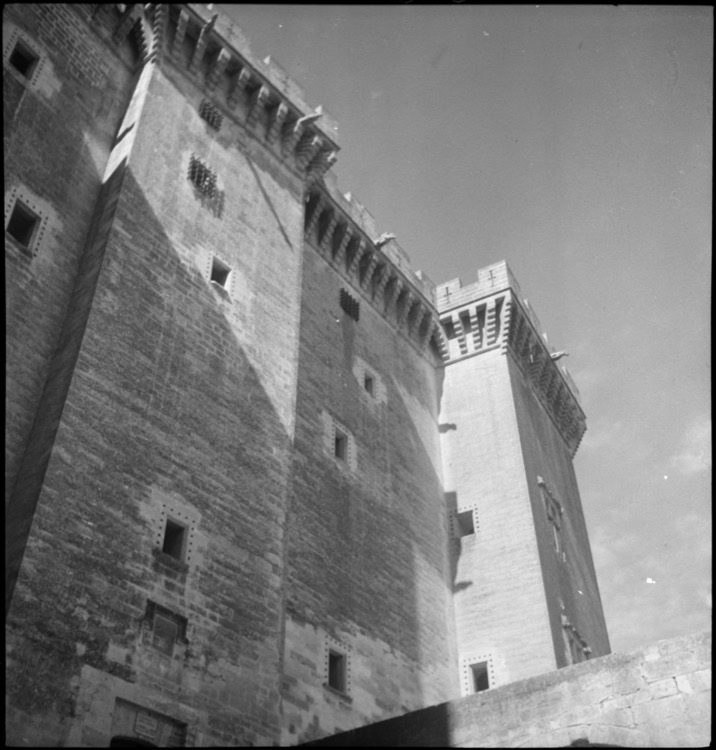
(525, 591)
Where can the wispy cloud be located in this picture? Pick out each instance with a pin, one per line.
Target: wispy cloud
(694, 454)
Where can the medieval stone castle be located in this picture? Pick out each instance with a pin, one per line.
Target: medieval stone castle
(265, 483)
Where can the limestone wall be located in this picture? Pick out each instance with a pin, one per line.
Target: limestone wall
(656, 696)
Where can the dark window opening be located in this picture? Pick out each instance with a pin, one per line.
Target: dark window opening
(23, 59)
(465, 320)
(465, 523)
(368, 384)
(208, 112)
(174, 539)
(21, 226)
(340, 448)
(449, 328)
(350, 305)
(220, 273)
(337, 671)
(480, 679)
(203, 178)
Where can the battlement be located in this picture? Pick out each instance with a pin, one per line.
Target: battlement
(343, 232)
(492, 314)
(206, 47)
(490, 279)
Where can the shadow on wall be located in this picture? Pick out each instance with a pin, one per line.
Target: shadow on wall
(163, 395)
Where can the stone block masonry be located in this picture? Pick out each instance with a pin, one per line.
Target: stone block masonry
(657, 696)
(367, 559)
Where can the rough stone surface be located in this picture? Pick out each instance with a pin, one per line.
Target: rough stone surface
(560, 708)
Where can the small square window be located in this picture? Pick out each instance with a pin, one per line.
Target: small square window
(340, 446)
(337, 671)
(220, 273)
(174, 534)
(23, 59)
(22, 224)
(480, 677)
(465, 523)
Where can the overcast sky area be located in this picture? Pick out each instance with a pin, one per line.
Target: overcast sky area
(575, 142)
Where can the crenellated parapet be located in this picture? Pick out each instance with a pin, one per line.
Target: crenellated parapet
(401, 297)
(491, 315)
(209, 49)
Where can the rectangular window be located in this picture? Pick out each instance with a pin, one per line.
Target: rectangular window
(368, 384)
(22, 224)
(173, 544)
(480, 677)
(208, 112)
(465, 523)
(350, 305)
(23, 59)
(203, 178)
(340, 446)
(220, 273)
(337, 671)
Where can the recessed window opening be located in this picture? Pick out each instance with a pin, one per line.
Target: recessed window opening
(340, 446)
(368, 384)
(203, 178)
(480, 678)
(164, 634)
(22, 224)
(465, 523)
(449, 329)
(23, 59)
(211, 114)
(220, 273)
(337, 671)
(465, 320)
(350, 305)
(174, 539)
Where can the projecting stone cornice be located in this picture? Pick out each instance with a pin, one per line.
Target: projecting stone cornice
(206, 47)
(548, 380)
(403, 301)
(491, 315)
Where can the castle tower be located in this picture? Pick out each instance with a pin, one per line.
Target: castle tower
(525, 592)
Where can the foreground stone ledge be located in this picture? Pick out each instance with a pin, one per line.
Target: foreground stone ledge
(583, 704)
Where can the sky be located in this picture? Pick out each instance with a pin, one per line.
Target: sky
(574, 142)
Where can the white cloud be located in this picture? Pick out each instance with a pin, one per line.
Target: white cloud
(694, 455)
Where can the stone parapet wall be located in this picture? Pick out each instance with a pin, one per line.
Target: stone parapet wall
(656, 696)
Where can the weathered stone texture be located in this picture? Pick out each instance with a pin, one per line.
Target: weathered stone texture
(484, 469)
(575, 704)
(171, 405)
(367, 555)
(546, 456)
(58, 167)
